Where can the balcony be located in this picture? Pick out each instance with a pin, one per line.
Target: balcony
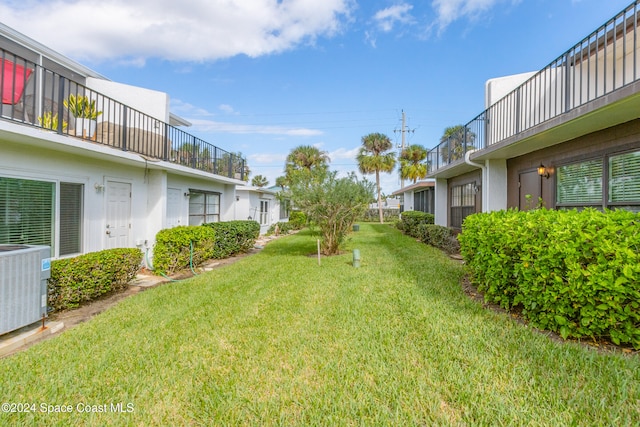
(592, 86)
(40, 97)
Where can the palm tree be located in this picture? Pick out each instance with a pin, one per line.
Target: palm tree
(259, 181)
(411, 163)
(306, 157)
(460, 139)
(304, 161)
(374, 157)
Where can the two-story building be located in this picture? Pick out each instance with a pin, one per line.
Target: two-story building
(88, 164)
(567, 136)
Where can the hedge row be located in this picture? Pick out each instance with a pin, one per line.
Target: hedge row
(373, 215)
(87, 277)
(410, 220)
(438, 236)
(575, 273)
(233, 237)
(182, 247)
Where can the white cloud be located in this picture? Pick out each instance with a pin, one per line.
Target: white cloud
(239, 128)
(343, 153)
(448, 11)
(190, 30)
(387, 18)
(226, 108)
(267, 158)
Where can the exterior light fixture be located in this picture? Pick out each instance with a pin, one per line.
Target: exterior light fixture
(187, 194)
(542, 171)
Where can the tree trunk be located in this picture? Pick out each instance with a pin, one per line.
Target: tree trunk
(379, 198)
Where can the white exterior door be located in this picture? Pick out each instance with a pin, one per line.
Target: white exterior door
(118, 225)
(174, 207)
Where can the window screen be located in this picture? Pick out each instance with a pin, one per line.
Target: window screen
(580, 183)
(70, 218)
(26, 211)
(624, 178)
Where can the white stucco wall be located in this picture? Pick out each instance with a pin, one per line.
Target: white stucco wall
(151, 102)
(499, 87)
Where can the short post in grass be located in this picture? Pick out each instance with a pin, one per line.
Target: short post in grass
(318, 251)
(356, 258)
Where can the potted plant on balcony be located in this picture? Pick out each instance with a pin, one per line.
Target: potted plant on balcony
(50, 121)
(85, 112)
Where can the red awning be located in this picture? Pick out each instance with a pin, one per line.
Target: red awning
(14, 79)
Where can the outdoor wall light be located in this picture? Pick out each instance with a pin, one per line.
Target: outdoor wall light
(187, 194)
(98, 187)
(542, 171)
(237, 198)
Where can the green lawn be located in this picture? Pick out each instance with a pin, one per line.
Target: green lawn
(275, 339)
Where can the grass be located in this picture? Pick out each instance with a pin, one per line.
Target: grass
(276, 339)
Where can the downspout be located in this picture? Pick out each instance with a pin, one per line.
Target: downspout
(485, 193)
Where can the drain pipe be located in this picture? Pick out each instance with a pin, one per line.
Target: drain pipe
(485, 193)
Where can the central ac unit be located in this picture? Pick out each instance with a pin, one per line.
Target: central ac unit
(24, 270)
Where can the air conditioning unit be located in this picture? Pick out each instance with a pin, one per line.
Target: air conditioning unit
(24, 270)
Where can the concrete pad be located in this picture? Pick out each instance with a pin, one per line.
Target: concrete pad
(14, 340)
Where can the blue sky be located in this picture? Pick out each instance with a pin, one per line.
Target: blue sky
(264, 76)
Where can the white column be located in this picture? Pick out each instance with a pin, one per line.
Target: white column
(441, 202)
(494, 192)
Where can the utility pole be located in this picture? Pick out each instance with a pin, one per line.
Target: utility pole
(403, 131)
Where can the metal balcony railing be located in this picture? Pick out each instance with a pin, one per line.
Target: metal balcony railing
(37, 96)
(602, 63)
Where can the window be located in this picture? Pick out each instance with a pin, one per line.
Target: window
(624, 181)
(285, 206)
(204, 207)
(27, 210)
(264, 212)
(423, 201)
(71, 206)
(581, 184)
(27, 214)
(463, 203)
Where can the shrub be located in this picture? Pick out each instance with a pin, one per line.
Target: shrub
(233, 237)
(87, 277)
(412, 219)
(439, 237)
(575, 273)
(389, 215)
(179, 247)
(282, 228)
(297, 220)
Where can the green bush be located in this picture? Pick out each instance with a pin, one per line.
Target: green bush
(233, 237)
(86, 277)
(389, 215)
(179, 247)
(575, 273)
(410, 220)
(282, 228)
(297, 220)
(439, 237)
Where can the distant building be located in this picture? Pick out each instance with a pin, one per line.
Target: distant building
(417, 197)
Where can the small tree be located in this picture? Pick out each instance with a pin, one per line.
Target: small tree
(332, 204)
